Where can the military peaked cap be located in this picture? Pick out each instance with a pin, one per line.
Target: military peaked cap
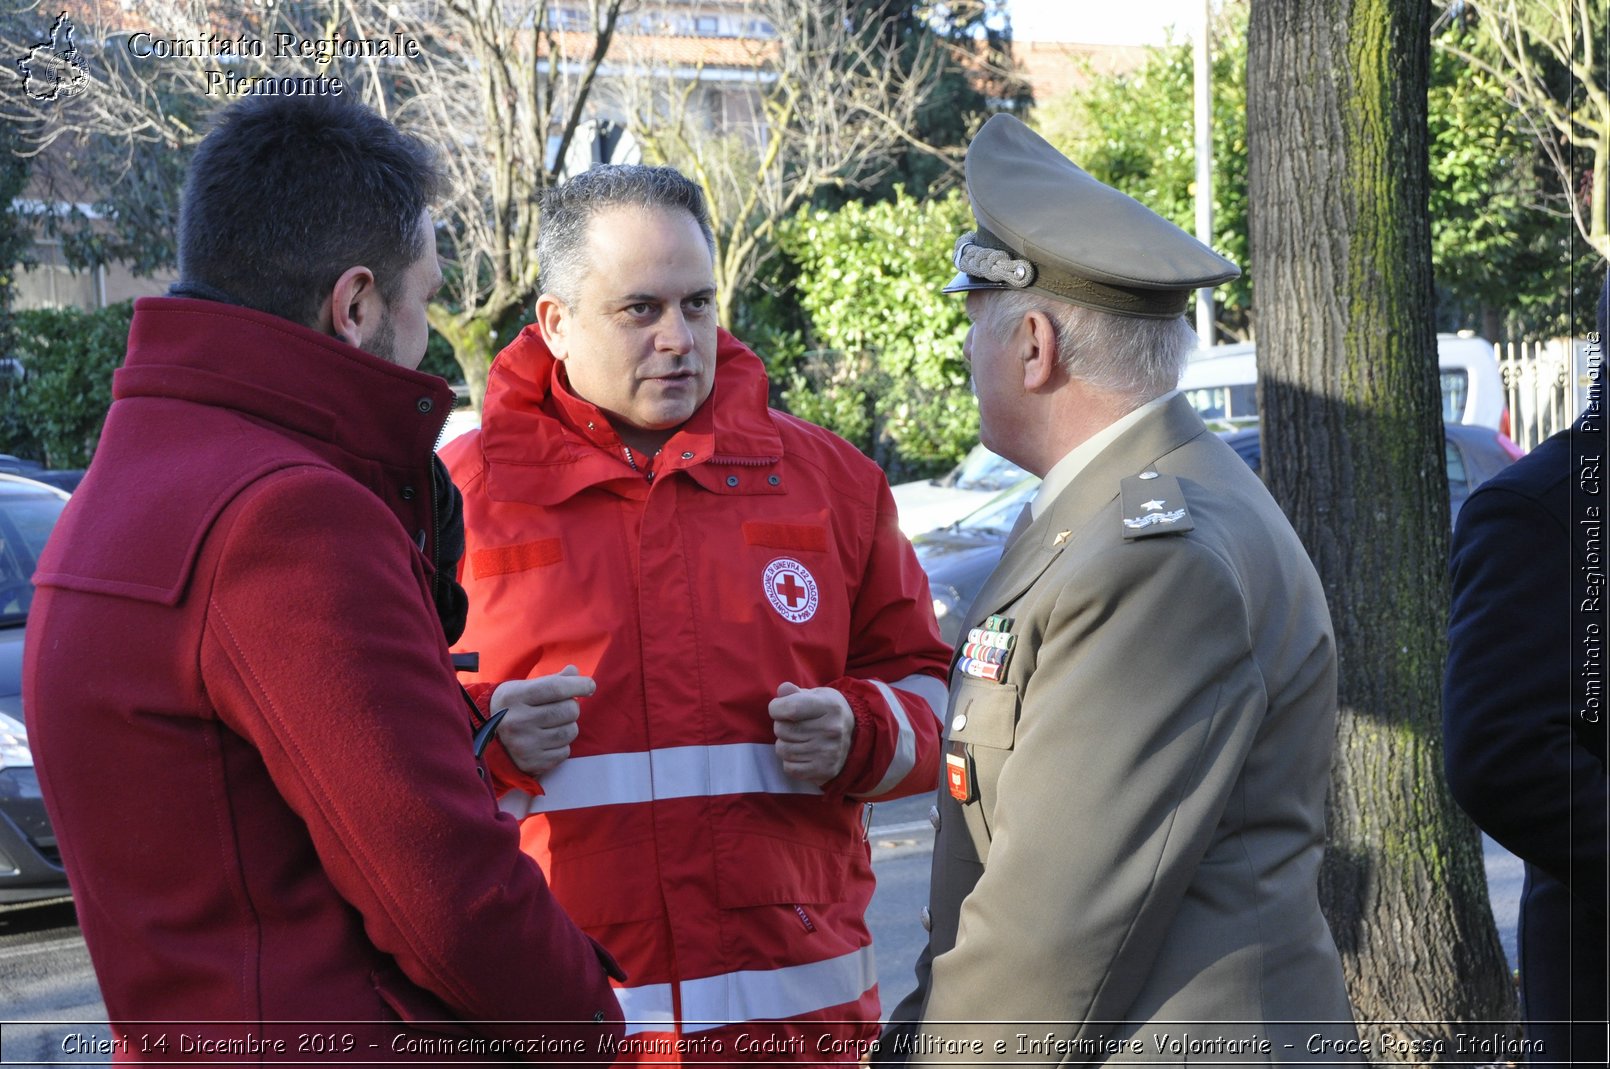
(1045, 225)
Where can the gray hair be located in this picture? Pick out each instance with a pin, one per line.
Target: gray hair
(569, 208)
(1134, 357)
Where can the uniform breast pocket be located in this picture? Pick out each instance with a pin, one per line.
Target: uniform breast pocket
(984, 723)
(984, 713)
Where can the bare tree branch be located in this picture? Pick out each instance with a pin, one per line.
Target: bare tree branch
(834, 100)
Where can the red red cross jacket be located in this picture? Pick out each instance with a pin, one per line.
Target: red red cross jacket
(765, 550)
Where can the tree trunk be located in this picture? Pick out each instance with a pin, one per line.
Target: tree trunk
(1352, 449)
(474, 345)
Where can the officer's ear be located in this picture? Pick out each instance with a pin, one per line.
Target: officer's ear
(553, 321)
(354, 311)
(1038, 352)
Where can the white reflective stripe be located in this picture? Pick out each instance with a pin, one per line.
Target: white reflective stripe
(515, 803)
(904, 758)
(647, 1008)
(929, 689)
(776, 994)
(675, 772)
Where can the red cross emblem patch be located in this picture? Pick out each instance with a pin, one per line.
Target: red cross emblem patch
(791, 589)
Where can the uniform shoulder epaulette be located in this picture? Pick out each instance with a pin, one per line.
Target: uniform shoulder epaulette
(1154, 504)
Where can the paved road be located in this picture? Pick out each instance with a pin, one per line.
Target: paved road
(46, 980)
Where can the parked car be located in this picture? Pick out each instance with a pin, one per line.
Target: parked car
(30, 863)
(61, 478)
(959, 557)
(929, 503)
(1221, 383)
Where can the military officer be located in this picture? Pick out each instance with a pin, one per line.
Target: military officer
(1140, 730)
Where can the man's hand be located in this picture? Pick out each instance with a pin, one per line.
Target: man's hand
(813, 729)
(541, 722)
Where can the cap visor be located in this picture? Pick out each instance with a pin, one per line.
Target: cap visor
(964, 282)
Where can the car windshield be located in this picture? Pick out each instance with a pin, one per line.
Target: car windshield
(984, 470)
(1455, 390)
(996, 516)
(26, 519)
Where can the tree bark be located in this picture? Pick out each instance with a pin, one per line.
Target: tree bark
(1353, 451)
(474, 346)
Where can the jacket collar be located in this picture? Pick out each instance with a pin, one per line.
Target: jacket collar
(542, 443)
(1141, 446)
(286, 374)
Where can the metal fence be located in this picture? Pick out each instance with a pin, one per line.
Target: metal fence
(1545, 385)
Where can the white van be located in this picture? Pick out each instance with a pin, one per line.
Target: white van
(1221, 383)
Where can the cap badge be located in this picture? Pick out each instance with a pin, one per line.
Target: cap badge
(791, 589)
(995, 265)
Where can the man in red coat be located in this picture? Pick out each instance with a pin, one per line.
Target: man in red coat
(238, 688)
(760, 634)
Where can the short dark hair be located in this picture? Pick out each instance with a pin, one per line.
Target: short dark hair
(568, 210)
(287, 192)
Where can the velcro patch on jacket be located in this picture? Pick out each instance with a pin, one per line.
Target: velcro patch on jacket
(785, 535)
(501, 560)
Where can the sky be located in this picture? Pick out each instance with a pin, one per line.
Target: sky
(1118, 22)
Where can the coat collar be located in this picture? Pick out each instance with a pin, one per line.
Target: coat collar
(1067, 515)
(542, 443)
(286, 374)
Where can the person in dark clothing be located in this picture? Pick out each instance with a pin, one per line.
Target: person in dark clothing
(1524, 715)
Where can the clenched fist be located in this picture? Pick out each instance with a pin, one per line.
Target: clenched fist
(541, 720)
(813, 729)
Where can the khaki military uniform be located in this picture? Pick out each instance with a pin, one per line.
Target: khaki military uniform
(1134, 875)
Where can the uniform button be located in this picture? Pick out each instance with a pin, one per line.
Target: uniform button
(1148, 475)
(408, 493)
(687, 456)
(927, 920)
(732, 480)
(933, 816)
(774, 480)
(425, 404)
(959, 723)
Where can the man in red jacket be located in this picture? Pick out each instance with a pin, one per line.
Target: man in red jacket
(248, 731)
(761, 636)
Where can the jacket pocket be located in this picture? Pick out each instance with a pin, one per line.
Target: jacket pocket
(414, 1006)
(984, 720)
(984, 713)
(608, 887)
(788, 850)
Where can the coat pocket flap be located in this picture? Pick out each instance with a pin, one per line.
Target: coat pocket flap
(984, 713)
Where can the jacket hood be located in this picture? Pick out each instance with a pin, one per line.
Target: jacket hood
(291, 375)
(520, 422)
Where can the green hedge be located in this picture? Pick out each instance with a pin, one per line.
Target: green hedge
(54, 414)
(887, 370)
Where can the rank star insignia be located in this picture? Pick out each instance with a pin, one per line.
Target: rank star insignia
(1153, 505)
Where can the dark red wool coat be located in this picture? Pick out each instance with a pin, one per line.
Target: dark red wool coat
(246, 723)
